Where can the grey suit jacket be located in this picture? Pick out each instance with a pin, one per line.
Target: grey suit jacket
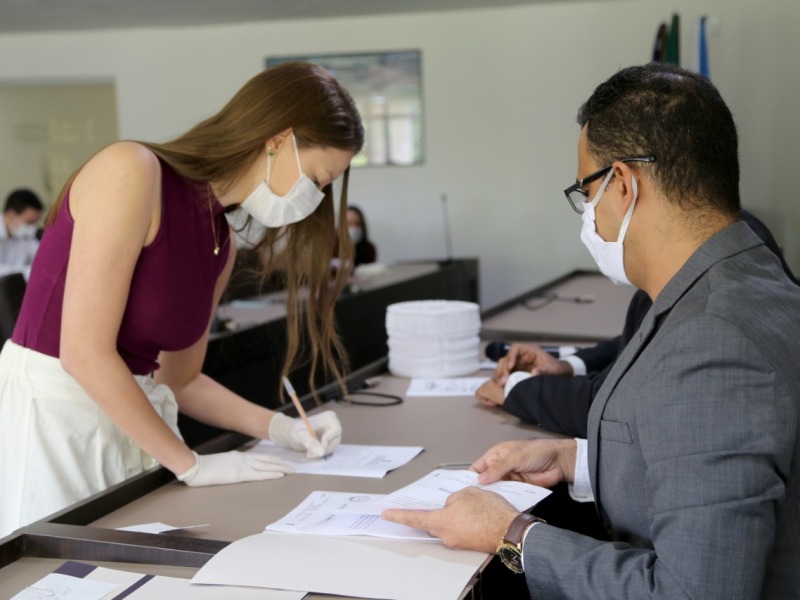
(693, 444)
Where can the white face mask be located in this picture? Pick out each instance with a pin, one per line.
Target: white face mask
(272, 210)
(25, 231)
(356, 234)
(609, 256)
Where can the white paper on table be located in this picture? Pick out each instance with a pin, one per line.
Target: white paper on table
(159, 587)
(341, 513)
(66, 587)
(136, 586)
(456, 386)
(431, 492)
(353, 460)
(347, 566)
(175, 588)
(352, 513)
(158, 527)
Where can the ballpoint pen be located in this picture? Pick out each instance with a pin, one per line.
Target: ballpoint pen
(296, 401)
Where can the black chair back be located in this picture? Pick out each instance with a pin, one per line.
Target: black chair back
(12, 289)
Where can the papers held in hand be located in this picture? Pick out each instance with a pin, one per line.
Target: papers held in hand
(348, 513)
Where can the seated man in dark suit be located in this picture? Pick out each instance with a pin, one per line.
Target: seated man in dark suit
(693, 449)
(556, 393)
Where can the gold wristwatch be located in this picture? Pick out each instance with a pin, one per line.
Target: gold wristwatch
(510, 548)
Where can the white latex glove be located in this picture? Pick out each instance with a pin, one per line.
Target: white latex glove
(294, 434)
(233, 467)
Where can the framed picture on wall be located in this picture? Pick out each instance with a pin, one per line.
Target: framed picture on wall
(387, 88)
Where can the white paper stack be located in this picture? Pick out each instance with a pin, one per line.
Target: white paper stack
(433, 338)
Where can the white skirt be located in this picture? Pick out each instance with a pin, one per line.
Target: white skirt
(56, 445)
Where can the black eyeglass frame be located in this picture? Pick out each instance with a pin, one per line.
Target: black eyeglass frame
(578, 185)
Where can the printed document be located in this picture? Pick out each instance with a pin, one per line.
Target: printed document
(431, 492)
(340, 513)
(82, 581)
(65, 587)
(456, 386)
(349, 460)
(345, 513)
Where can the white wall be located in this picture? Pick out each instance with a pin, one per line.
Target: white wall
(501, 89)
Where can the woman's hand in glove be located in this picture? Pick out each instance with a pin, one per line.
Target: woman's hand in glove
(294, 434)
(233, 467)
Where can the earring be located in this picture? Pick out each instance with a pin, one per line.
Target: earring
(271, 152)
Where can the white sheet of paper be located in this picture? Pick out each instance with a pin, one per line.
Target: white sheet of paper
(350, 460)
(456, 386)
(175, 588)
(56, 586)
(158, 527)
(340, 513)
(352, 513)
(431, 492)
(347, 566)
(160, 588)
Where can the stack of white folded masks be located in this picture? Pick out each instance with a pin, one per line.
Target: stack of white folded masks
(433, 338)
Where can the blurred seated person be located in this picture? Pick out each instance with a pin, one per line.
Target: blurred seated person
(18, 231)
(21, 215)
(365, 251)
(556, 393)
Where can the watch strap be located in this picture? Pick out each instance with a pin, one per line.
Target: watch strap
(510, 548)
(518, 527)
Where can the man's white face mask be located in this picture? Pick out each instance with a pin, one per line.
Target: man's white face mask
(24, 231)
(272, 210)
(609, 256)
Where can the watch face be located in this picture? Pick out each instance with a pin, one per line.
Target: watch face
(511, 557)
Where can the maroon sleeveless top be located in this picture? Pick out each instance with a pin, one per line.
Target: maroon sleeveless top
(172, 290)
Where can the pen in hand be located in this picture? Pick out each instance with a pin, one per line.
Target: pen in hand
(296, 401)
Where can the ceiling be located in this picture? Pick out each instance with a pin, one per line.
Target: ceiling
(17, 16)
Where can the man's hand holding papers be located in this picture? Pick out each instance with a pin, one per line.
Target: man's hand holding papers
(485, 516)
(464, 522)
(351, 555)
(339, 513)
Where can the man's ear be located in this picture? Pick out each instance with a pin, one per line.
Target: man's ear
(625, 183)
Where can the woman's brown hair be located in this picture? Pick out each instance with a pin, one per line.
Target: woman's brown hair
(220, 149)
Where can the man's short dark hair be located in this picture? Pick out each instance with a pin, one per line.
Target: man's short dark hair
(20, 199)
(677, 116)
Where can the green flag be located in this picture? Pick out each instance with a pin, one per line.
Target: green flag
(673, 52)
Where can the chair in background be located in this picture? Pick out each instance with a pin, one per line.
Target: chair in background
(12, 289)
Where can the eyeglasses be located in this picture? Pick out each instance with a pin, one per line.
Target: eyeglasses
(577, 196)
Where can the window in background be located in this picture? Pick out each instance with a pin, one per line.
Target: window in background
(50, 128)
(387, 88)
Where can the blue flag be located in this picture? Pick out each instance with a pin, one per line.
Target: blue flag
(702, 49)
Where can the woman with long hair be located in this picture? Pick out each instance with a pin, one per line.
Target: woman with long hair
(365, 251)
(112, 334)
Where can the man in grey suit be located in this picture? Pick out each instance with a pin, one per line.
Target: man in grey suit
(693, 456)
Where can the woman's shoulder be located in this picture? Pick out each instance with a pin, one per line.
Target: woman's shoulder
(130, 164)
(129, 156)
(121, 173)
